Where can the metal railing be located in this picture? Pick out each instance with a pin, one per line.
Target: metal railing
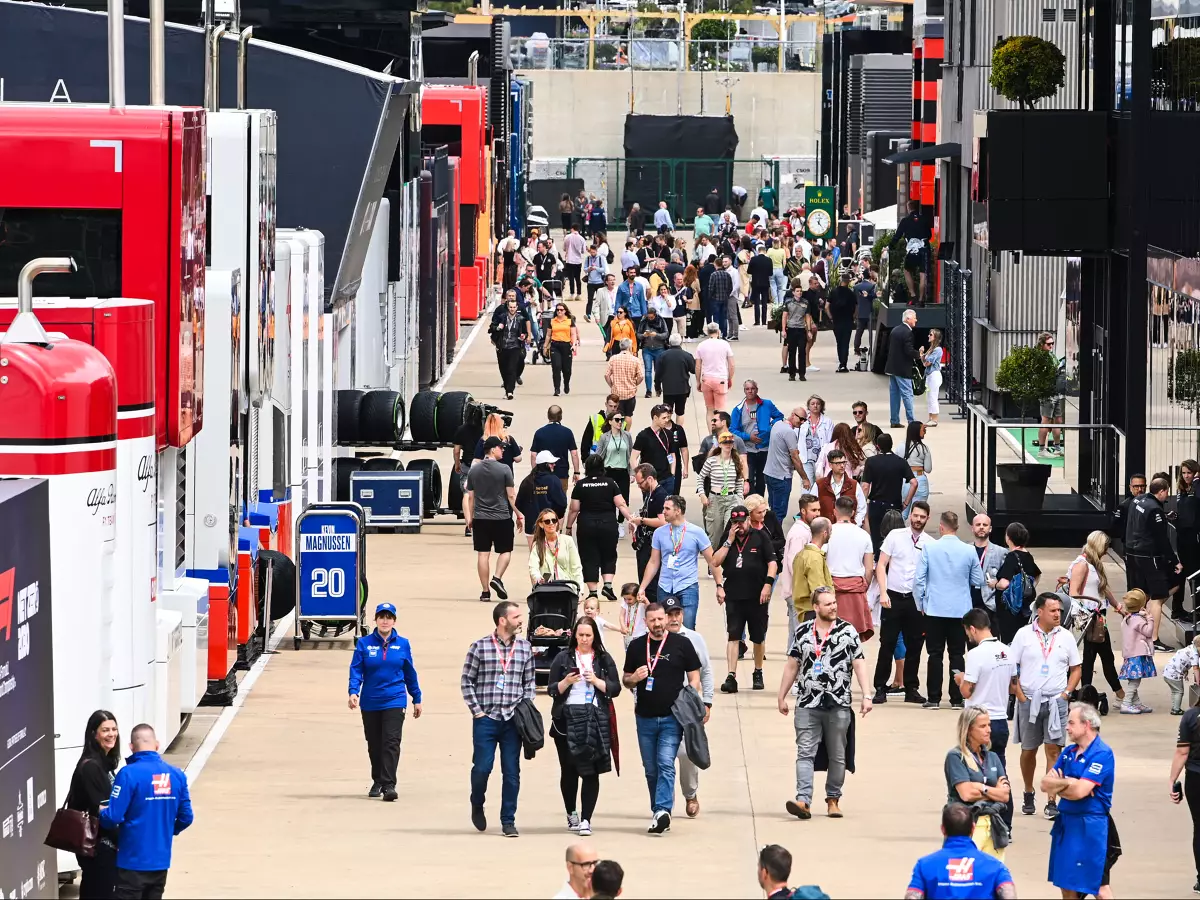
(662, 54)
(956, 295)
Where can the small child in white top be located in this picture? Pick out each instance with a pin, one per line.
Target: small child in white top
(1176, 672)
(633, 613)
(591, 607)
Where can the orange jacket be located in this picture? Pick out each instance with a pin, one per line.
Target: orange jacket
(621, 329)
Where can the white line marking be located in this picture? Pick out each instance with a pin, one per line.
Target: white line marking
(209, 744)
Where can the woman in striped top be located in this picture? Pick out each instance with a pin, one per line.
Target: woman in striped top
(722, 485)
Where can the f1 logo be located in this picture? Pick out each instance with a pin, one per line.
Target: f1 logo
(962, 869)
(7, 579)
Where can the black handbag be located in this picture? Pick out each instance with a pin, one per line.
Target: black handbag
(74, 831)
(918, 379)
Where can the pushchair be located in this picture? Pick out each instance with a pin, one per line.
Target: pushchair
(552, 608)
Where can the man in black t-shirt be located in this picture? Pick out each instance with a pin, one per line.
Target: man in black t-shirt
(655, 667)
(654, 496)
(656, 445)
(747, 560)
(883, 481)
(465, 439)
(842, 306)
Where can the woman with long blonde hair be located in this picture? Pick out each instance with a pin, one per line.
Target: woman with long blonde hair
(493, 426)
(553, 556)
(932, 358)
(1087, 579)
(975, 776)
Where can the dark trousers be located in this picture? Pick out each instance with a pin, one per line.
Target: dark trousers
(512, 362)
(715, 312)
(621, 477)
(841, 335)
(875, 513)
(569, 780)
(999, 747)
(1105, 651)
(571, 270)
(1191, 790)
(487, 734)
(863, 322)
(695, 323)
(901, 619)
(591, 295)
(943, 634)
(98, 874)
(760, 297)
(643, 557)
(754, 470)
(561, 362)
(383, 729)
(135, 885)
(797, 347)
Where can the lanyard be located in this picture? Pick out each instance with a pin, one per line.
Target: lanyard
(504, 663)
(982, 558)
(1046, 649)
(819, 646)
(675, 545)
(726, 468)
(579, 663)
(814, 427)
(652, 664)
(742, 546)
(553, 551)
(659, 434)
(915, 537)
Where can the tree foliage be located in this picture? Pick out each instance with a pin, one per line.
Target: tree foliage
(1183, 380)
(1175, 70)
(1026, 69)
(1029, 375)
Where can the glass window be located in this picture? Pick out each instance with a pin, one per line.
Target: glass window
(91, 237)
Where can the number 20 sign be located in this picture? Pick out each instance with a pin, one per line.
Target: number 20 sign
(328, 563)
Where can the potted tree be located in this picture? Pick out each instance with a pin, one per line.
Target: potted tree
(1026, 69)
(1030, 377)
(1183, 382)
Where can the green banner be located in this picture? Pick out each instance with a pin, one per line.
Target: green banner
(820, 217)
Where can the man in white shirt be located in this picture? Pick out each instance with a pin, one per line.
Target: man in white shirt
(581, 860)
(689, 775)
(897, 572)
(1048, 669)
(797, 539)
(851, 558)
(987, 679)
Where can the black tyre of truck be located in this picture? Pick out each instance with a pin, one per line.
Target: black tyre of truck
(342, 467)
(382, 418)
(383, 464)
(452, 408)
(431, 485)
(349, 413)
(422, 417)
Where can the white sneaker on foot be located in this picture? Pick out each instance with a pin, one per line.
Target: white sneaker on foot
(585, 828)
(573, 822)
(813, 369)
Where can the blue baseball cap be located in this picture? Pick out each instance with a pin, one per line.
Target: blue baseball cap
(385, 608)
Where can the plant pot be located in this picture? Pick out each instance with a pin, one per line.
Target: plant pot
(1023, 485)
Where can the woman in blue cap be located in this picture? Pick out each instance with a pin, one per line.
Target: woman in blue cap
(382, 678)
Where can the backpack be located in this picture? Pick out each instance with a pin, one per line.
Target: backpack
(1020, 590)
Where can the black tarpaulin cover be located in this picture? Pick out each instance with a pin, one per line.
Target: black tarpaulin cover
(338, 125)
(677, 159)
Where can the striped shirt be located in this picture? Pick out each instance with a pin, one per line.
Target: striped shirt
(723, 478)
(481, 676)
(627, 373)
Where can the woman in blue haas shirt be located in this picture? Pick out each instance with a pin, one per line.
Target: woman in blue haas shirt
(382, 678)
(1083, 840)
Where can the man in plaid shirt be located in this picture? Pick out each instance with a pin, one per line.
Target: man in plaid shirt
(497, 675)
(719, 289)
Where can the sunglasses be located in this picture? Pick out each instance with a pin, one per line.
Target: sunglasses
(617, 419)
(553, 521)
(859, 413)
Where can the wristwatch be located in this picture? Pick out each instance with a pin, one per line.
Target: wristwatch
(726, 544)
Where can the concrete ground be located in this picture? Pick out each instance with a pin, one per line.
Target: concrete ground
(281, 807)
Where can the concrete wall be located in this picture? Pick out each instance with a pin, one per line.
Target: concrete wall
(581, 113)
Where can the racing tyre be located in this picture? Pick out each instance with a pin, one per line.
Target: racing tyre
(422, 417)
(342, 467)
(383, 464)
(283, 584)
(382, 419)
(454, 493)
(349, 405)
(452, 408)
(431, 484)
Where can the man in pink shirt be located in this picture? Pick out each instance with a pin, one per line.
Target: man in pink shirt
(714, 368)
(797, 538)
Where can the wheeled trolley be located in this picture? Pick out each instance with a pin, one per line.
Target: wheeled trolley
(331, 584)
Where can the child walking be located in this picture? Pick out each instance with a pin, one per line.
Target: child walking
(1175, 673)
(591, 607)
(1138, 650)
(633, 613)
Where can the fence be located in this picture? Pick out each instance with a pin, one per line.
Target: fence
(662, 54)
(956, 296)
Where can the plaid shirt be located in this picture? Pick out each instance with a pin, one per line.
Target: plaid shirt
(720, 285)
(627, 373)
(482, 669)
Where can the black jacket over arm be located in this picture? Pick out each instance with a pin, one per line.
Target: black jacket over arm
(586, 728)
(901, 352)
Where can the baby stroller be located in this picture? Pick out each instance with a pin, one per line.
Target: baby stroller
(552, 610)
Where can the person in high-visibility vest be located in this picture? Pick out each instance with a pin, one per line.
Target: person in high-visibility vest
(592, 431)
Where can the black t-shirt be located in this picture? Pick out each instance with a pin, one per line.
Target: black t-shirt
(652, 508)
(745, 566)
(466, 437)
(559, 440)
(888, 475)
(595, 496)
(842, 304)
(1189, 733)
(679, 437)
(1016, 561)
(676, 659)
(658, 449)
(673, 371)
(511, 451)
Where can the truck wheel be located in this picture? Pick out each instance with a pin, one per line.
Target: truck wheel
(454, 493)
(422, 417)
(452, 414)
(382, 417)
(383, 464)
(342, 467)
(349, 406)
(431, 484)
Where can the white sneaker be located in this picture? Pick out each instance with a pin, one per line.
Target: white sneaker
(1130, 710)
(573, 822)
(585, 828)
(621, 530)
(813, 369)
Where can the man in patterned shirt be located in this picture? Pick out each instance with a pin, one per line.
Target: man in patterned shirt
(822, 657)
(497, 675)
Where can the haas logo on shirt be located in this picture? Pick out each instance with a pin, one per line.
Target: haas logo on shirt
(162, 784)
(962, 869)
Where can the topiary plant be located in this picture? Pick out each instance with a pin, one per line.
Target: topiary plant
(1030, 376)
(1183, 381)
(1026, 69)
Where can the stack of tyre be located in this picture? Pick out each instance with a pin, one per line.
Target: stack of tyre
(378, 419)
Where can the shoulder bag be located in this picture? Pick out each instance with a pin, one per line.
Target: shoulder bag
(74, 831)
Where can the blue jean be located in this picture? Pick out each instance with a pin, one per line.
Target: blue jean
(900, 389)
(486, 733)
(778, 285)
(690, 597)
(658, 741)
(779, 492)
(649, 358)
(999, 746)
(921, 494)
(715, 312)
(668, 484)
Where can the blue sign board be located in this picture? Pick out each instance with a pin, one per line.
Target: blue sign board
(328, 556)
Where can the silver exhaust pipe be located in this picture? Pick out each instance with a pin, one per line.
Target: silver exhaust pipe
(214, 62)
(25, 328)
(473, 68)
(243, 42)
(116, 54)
(158, 55)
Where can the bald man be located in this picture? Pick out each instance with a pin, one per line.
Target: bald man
(581, 861)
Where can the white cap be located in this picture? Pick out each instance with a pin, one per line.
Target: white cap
(545, 456)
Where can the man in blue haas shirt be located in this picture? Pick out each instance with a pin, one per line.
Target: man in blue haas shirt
(960, 870)
(1083, 840)
(148, 806)
(382, 678)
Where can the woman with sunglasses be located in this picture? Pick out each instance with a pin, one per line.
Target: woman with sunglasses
(583, 681)
(722, 485)
(622, 327)
(562, 342)
(553, 556)
(540, 491)
(593, 500)
(615, 447)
